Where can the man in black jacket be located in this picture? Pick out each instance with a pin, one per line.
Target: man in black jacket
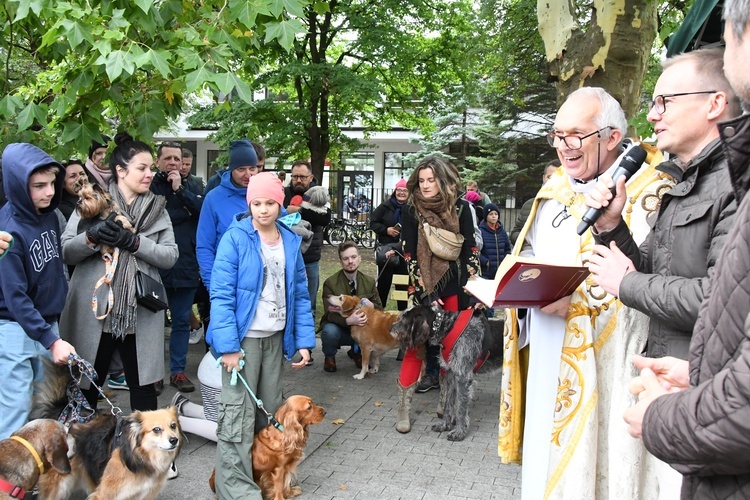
(302, 180)
(696, 416)
(184, 201)
(668, 277)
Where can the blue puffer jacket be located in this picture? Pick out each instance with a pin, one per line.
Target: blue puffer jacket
(496, 247)
(237, 282)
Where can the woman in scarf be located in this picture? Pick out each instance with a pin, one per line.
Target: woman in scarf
(386, 223)
(434, 198)
(133, 330)
(96, 170)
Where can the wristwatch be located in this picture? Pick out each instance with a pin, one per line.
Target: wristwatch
(179, 189)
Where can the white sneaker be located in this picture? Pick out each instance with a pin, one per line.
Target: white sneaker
(195, 335)
(172, 472)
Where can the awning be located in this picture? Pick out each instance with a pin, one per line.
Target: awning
(702, 26)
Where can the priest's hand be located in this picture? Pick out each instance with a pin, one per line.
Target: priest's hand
(558, 308)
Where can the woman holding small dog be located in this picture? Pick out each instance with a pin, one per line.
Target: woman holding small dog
(133, 330)
(260, 311)
(434, 199)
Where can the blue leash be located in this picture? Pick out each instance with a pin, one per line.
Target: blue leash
(258, 402)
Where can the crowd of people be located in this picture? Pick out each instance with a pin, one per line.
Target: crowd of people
(635, 386)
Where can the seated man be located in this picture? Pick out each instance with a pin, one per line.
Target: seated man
(335, 329)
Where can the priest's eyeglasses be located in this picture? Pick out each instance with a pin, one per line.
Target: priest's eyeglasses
(572, 141)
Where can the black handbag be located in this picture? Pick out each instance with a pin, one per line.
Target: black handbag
(381, 250)
(150, 293)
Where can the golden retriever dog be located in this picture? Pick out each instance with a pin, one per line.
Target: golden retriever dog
(276, 454)
(121, 460)
(93, 201)
(375, 337)
(32, 451)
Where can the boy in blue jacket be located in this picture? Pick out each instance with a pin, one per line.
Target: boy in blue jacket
(260, 311)
(32, 280)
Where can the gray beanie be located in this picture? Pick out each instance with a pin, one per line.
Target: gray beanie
(242, 154)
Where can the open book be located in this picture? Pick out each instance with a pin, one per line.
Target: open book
(526, 282)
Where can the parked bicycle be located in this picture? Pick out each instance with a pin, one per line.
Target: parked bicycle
(359, 232)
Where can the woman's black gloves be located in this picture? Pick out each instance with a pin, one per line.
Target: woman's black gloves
(114, 235)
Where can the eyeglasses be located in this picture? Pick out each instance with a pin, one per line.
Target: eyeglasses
(352, 287)
(572, 141)
(660, 103)
(402, 190)
(300, 177)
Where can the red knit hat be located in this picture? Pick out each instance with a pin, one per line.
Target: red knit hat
(265, 185)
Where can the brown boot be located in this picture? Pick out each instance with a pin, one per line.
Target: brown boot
(329, 364)
(403, 424)
(357, 358)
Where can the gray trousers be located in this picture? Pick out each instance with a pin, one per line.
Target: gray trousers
(238, 416)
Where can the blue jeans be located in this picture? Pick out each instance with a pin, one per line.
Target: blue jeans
(312, 270)
(332, 336)
(20, 367)
(180, 305)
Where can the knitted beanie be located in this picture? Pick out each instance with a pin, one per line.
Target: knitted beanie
(96, 145)
(401, 184)
(472, 196)
(265, 185)
(490, 207)
(242, 154)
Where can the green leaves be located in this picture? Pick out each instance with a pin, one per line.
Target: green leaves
(284, 32)
(29, 114)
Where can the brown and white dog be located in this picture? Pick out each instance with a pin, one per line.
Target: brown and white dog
(277, 453)
(93, 201)
(32, 451)
(374, 338)
(126, 462)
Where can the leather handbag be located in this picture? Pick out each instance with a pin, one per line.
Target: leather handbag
(150, 293)
(381, 260)
(443, 244)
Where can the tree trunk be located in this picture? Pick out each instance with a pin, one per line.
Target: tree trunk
(611, 53)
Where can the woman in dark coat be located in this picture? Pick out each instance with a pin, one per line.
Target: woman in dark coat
(386, 223)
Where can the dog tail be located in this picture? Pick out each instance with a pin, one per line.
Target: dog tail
(50, 396)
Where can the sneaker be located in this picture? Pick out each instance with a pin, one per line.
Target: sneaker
(159, 386)
(172, 472)
(195, 335)
(428, 383)
(118, 383)
(178, 400)
(182, 383)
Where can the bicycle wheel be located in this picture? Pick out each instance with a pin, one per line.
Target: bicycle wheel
(336, 235)
(367, 238)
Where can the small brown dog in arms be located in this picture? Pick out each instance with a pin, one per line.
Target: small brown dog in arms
(94, 202)
(374, 338)
(125, 460)
(32, 451)
(276, 453)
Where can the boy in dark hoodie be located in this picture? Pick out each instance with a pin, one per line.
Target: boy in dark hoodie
(32, 279)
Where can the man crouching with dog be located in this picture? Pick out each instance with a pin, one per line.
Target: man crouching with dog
(32, 279)
(335, 329)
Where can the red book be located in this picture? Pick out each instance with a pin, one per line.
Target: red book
(526, 282)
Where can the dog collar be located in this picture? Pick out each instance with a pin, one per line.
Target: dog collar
(33, 452)
(437, 321)
(12, 490)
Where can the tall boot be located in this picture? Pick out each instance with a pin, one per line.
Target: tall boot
(403, 424)
(441, 400)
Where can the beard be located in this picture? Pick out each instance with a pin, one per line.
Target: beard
(299, 188)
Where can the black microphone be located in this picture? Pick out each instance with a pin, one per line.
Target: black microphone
(629, 165)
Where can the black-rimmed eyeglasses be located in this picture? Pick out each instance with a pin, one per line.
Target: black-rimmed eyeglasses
(572, 141)
(659, 102)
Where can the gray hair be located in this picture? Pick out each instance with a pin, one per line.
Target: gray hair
(318, 196)
(611, 114)
(738, 13)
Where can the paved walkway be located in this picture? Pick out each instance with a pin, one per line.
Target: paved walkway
(365, 458)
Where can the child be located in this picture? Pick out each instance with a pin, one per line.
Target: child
(260, 310)
(496, 242)
(32, 279)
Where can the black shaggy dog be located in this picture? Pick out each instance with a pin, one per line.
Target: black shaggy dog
(423, 324)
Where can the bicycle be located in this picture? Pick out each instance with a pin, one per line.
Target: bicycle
(340, 230)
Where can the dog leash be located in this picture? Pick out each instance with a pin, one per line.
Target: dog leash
(258, 402)
(388, 260)
(72, 413)
(110, 265)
